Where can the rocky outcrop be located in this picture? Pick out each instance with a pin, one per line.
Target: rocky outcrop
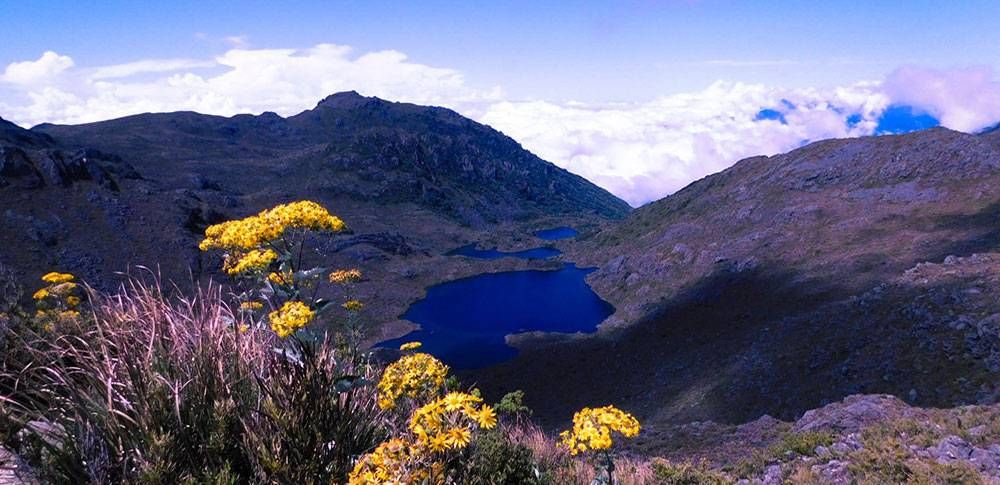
(860, 439)
(32, 169)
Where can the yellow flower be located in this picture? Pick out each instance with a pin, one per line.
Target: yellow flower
(487, 417)
(345, 276)
(280, 279)
(253, 261)
(417, 376)
(450, 420)
(68, 314)
(72, 301)
(410, 346)
(353, 305)
(592, 429)
(56, 278)
(268, 225)
(251, 305)
(292, 316)
(243, 328)
(396, 462)
(41, 294)
(438, 443)
(459, 437)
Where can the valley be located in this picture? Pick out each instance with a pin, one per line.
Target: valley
(780, 285)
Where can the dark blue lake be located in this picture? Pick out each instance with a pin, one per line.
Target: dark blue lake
(472, 251)
(464, 322)
(556, 233)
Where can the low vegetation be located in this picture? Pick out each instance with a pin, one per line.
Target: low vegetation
(267, 384)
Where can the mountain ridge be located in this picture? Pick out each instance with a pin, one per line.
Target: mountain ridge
(789, 281)
(411, 182)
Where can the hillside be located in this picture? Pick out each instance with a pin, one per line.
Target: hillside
(787, 282)
(354, 146)
(412, 182)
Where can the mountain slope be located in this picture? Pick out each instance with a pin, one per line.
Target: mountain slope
(359, 146)
(790, 281)
(411, 182)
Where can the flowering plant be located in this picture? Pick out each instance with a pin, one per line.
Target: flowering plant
(268, 250)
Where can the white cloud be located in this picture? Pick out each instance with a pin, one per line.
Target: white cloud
(640, 151)
(41, 71)
(963, 99)
(150, 66)
(286, 81)
(645, 151)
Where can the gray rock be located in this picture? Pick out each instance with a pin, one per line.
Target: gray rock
(832, 472)
(773, 475)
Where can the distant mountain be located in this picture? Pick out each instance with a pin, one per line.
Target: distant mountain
(410, 180)
(787, 282)
(363, 147)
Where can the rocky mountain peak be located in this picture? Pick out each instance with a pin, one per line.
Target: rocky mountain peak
(345, 100)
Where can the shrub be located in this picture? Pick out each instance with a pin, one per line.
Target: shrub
(687, 473)
(494, 458)
(512, 404)
(145, 390)
(790, 445)
(317, 415)
(804, 443)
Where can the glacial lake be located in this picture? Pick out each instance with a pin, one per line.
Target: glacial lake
(464, 322)
(471, 251)
(556, 233)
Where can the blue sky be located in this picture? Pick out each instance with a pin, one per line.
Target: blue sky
(604, 51)
(590, 74)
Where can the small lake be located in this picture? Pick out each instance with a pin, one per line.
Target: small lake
(471, 251)
(556, 233)
(464, 322)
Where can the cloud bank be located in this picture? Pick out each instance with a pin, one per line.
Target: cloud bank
(640, 151)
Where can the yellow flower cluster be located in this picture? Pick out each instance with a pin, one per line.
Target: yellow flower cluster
(345, 276)
(447, 422)
(253, 261)
(61, 287)
(251, 305)
(397, 462)
(417, 376)
(410, 346)
(353, 305)
(592, 428)
(281, 279)
(268, 225)
(56, 278)
(57, 302)
(292, 316)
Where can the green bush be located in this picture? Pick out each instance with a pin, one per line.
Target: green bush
(494, 459)
(512, 404)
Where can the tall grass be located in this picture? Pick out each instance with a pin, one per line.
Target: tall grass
(156, 390)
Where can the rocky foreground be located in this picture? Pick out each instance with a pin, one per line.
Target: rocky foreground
(869, 439)
(861, 439)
